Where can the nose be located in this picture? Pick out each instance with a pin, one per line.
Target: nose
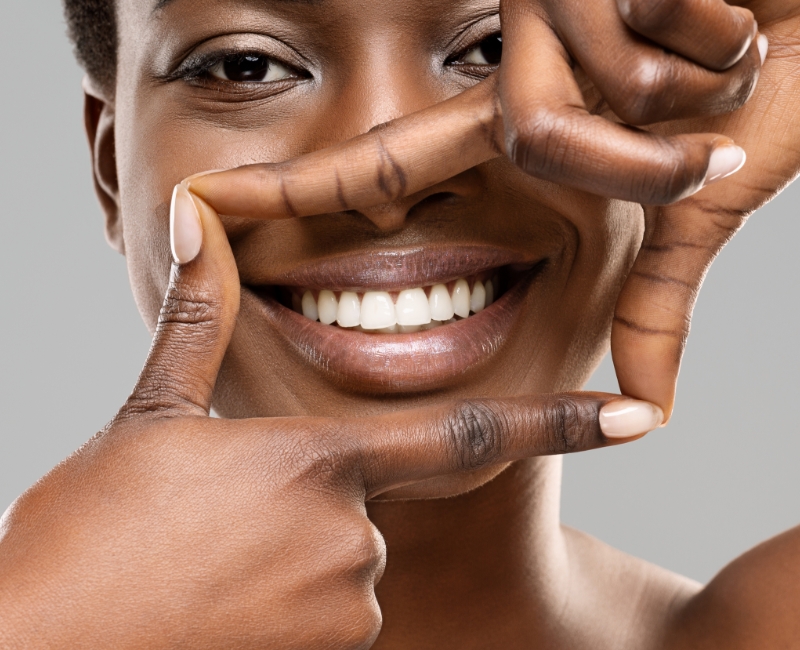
(385, 85)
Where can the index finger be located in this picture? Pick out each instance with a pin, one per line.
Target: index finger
(388, 163)
(476, 433)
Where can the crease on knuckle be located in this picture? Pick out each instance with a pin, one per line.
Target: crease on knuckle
(565, 423)
(545, 142)
(188, 307)
(475, 432)
(644, 97)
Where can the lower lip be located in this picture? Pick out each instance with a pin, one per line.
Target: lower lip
(400, 363)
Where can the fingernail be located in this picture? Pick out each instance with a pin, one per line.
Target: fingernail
(725, 160)
(763, 47)
(185, 229)
(625, 418)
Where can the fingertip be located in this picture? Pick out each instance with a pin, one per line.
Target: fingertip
(725, 160)
(629, 418)
(186, 230)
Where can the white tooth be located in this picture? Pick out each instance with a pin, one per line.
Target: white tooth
(327, 306)
(413, 308)
(408, 329)
(461, 298)
(377, 310)
(310, 306)
(433, 324)
(349, 313)
(440, 303)
(389, 330)
(478, 300)
(297, 303)
(489, 286)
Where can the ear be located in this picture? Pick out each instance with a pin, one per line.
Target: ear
(98, 116)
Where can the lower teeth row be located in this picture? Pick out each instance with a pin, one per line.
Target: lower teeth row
(412, 311)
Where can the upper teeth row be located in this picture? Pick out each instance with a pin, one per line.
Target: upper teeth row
(413, 308)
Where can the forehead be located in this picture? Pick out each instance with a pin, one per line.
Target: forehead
(311, 13)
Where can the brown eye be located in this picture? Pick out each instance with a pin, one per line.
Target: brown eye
(487, 52)
(253, 68)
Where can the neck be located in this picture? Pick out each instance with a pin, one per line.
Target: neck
(473, 565)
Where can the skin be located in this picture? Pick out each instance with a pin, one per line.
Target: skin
(264, 531)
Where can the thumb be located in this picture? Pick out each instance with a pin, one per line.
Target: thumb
(654, 310)
(197, 318)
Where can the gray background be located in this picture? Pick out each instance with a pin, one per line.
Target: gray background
(721, 478)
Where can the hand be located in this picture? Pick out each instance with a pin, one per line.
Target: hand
(681, 241)
(660, 165)
(173, 529)
(649, 61)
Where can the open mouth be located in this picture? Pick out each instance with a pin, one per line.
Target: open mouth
(405, 311)
(401, 327)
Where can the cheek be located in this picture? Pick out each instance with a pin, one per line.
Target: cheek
(158, 145)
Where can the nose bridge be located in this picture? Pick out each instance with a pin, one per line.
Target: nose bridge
(389, 80)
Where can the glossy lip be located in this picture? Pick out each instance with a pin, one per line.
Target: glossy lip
(392, 270)
(400, 363)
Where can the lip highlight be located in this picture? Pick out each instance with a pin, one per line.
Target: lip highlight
(399, 363)
(389, 270)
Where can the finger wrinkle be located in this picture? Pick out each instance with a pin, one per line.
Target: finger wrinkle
(396, 173)
(673, 246)
(662, 279)
(649, 331)
(287, 203)
(340, 192)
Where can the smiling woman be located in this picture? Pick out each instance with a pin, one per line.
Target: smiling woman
(427, 236)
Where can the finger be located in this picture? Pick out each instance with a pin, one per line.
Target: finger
(476, 433)
(709, 32)
(196, 319)
(384, 165)
(644, 84)
(654, 310)
(551, 135)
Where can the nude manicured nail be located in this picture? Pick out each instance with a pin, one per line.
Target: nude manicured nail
(625, 418)
(763, 47)
(185, 229)
(725, 160)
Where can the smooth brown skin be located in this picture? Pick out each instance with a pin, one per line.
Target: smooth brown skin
(172, 529)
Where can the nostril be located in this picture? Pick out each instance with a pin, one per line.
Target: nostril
(439, 198)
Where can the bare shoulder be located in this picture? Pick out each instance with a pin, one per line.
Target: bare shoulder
(753, 603)
(622, 602)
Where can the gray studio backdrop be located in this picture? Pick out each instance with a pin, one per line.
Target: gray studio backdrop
(722, 477)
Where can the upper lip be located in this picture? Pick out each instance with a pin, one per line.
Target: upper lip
(392, 269)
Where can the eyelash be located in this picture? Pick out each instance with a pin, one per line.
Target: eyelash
(198, 69)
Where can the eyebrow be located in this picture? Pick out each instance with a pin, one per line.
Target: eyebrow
(160, 4)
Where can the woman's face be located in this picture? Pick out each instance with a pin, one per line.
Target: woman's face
(305, 74)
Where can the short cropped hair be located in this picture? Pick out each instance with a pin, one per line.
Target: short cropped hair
(92, 28)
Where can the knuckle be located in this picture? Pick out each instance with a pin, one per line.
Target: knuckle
(543, 142)
(650, 16)
(474, 431)
(188, 306)
(364, 625)
(570, 424)
(363, 552)
(647, 83)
